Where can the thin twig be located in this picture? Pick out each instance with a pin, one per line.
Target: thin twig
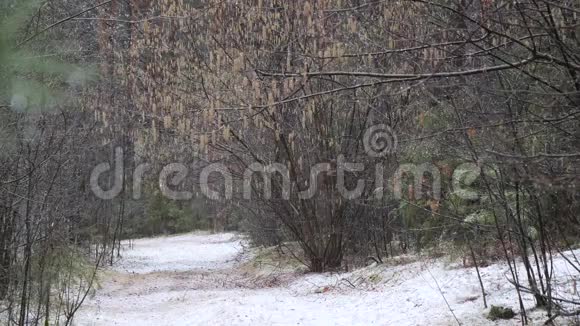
(61, 22)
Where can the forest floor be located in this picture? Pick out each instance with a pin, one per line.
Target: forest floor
(203, 279)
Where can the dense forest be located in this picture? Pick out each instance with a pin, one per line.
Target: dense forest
(358, 130)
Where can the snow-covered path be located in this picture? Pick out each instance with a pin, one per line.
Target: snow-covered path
(197, 279)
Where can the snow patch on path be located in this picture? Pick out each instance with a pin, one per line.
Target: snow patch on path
(180, 253)
(196, 279)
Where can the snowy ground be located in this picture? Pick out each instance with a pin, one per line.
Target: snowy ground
(200, 279)
(180, 253)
